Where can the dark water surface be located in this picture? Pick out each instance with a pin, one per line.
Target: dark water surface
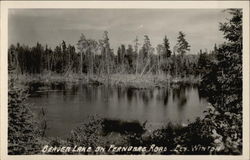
(66, 106)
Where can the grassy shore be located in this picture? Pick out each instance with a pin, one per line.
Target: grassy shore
(124, 80)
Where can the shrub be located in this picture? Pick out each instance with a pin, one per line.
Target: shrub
(23, 132)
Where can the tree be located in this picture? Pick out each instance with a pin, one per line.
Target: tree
(182, 47)
(215, 48)
(119, 58)
(12, 58)
(107, 53)
(223, 84)
(182, 44)
(147, 52)
(225, 78)
(82, 46)
(64, 56)
(71, 52)
(137, 54)
(47, 53)
(58, 59)
(38, 52)
(167, 51)
(232, 29)
(160, 54)
(146, 47)
(23, 129)
(165, 54)
(129, 59)
(123, 52)
(92, 49)
(203, 62)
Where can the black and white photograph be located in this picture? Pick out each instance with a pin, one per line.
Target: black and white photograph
(125, 81)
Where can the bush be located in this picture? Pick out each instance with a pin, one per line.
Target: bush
(23, 133)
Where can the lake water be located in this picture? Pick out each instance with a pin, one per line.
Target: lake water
(66, 106)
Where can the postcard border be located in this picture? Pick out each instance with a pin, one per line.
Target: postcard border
(122, 4)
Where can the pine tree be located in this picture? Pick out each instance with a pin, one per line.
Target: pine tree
(182, 44)
(107, 52)
(23, 132)
(223, 84)
(119, 59)
(147, 47)
(123, 52)
(167, 51)
(225, 79)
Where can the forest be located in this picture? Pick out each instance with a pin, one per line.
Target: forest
(220, 72)
(92, 57)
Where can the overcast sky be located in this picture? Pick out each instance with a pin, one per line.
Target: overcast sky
(51, 26)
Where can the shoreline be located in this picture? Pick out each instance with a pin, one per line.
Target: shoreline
(120, 80)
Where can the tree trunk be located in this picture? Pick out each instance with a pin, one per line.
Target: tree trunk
(144, 69)
(81, 63)
(158, 64)
(137, 59)
(92, 64)
(17, 64)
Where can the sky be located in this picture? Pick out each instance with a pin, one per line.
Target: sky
(51, 26)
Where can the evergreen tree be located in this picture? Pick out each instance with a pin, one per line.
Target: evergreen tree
(107, 52)
(223, 85)
(129, 59)
(225, 79)
(147, 47)
(183, 46)
(167, 51)
(123, 52)
(23, 132)
(119, 56)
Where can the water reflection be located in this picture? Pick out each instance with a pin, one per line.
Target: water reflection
(68, 104)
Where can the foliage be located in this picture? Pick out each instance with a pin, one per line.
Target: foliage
(223, 86)
(91, 133)
(206, 61)
(182, 45)
(94, 57)
(224, 81)
(167, 51)
(88, 133)
(23, 131)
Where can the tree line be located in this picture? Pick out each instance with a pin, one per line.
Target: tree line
(96, 57)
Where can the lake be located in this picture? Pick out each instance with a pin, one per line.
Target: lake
(66, 106)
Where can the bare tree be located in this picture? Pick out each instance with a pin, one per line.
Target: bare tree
(137, 54)
(92, 49)
(147, 53)
(105, 51)
(160, 50)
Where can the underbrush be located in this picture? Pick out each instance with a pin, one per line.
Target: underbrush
(23, 129)
(120, 80)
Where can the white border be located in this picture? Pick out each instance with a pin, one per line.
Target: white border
(122, 4)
